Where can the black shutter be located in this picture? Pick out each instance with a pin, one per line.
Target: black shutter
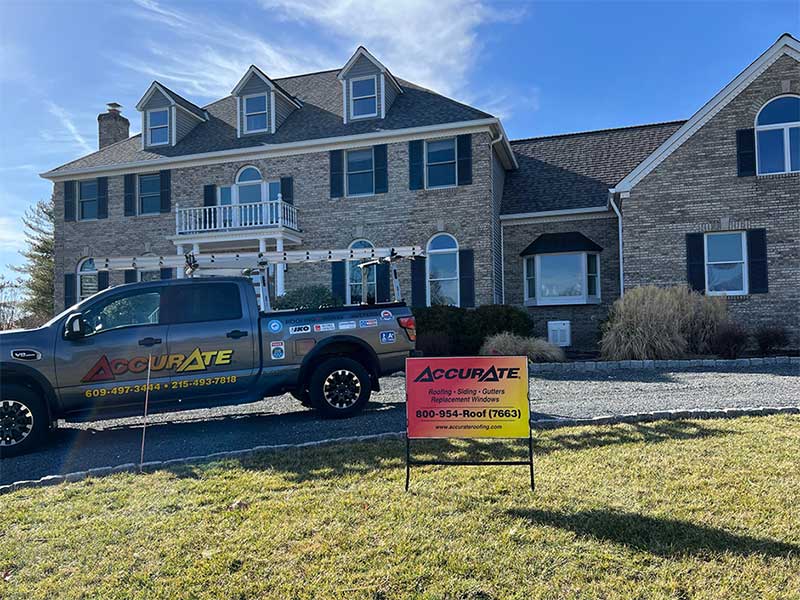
(745, 152)
(166, 191)
(382, 283)
(287, 190)
(381, 169)
(209, 195)
(70, 289)
(464, 144)
(418, 282)
(130, 276)
(757, 261)
(130, 195)
(69, 201)
(102, 280)
(102, 197)
(337, 173)
(466, 278)
(695, 262)
(166, 273)
(416, 165)
(338, 281)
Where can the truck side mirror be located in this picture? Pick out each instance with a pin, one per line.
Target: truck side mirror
(74, 328)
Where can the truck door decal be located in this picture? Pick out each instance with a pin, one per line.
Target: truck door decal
(198, 360)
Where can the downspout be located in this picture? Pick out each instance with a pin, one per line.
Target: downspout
(619, 235)
(492, 143)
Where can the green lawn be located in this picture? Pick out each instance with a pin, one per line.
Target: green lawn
(693, 509)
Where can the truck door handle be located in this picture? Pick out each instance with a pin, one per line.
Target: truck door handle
(149, 341)
(236, 334)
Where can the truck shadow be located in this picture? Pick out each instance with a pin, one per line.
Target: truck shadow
(656, 535)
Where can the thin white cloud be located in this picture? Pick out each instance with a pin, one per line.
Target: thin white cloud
(12, 234)
(67, 123)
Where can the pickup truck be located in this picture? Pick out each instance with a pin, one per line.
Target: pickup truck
(192, 343)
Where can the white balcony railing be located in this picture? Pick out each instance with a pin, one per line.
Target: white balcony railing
(203, 219)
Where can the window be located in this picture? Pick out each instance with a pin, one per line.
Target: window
(563, 278)
(255, 113)
(360, 172)
(778, 136)
(249, 186)
(726, 268)
(87, 195)
(87, 279)
(206, 302)
(149, 194)
(158, 127)
(440, 163)
(363, 97)
(442, 267)
(153, 275)
(354, 277)
(140, 307)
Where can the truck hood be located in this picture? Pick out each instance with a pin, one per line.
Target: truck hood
(25, 345)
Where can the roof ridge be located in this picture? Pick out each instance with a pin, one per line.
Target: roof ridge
(306, 74)
(171, 91)
(591, 131)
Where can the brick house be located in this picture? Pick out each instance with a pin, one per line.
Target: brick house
(355, 157)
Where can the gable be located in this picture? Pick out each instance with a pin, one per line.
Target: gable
(254, 85)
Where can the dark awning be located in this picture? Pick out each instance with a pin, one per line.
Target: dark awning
(551, 243)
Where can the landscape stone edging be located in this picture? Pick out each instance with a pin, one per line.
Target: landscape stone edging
(669, 415)
(615, 365)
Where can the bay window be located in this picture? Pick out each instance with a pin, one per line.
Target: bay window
(726, 263)
(561, 278)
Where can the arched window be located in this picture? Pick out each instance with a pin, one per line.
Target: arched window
(87, 279)
(249, 184)
(778, 136)
(442, 266)
(355, 273)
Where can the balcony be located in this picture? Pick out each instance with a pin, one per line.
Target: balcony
(275, 214)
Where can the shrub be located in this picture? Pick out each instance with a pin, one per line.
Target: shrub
(509, 344)
(468, 328)
(730, 340)
(309, 296)
(650, 322)
(771, 337)
(434, 343)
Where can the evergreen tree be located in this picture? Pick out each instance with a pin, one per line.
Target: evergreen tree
(37, 303)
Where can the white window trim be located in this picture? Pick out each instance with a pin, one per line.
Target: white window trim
(140, 271)
(78, 201)
(787, 157)
(455, 163)
(347, 172)
(348, 296)
(353, 115)
(745, 274)
(139, 212)
(428, 252)
(80, 274)
(150, 127)
(264, 112)
(539, 300)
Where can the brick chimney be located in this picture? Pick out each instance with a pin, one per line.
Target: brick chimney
(112, 126)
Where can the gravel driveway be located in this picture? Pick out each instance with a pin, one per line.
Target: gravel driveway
(81, 446)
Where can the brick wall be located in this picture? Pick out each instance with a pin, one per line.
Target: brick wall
(585, 318)
(697, 189)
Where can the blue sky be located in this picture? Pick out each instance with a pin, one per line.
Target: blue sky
(543, 67)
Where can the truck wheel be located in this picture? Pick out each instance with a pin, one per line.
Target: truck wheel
(23, 420)
(340, 387)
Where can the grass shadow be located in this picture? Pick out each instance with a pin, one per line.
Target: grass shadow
(656, 535)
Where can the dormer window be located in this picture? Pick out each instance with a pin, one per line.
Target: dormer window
(255, 113)
(778, 136)
(158, 127)
(363, 97)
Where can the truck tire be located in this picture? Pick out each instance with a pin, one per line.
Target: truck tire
(23, 420)
(340, 387)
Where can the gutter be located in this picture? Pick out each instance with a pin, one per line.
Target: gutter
(619, 235)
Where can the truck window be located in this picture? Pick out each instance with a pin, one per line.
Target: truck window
(141, 307)
(205, 302)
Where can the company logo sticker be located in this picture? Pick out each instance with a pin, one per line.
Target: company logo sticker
(388, 337)
(324, 327)
(295, 329)
(368, 323)
(25, 354)
(275, 326)
(198, 360)
(277, 350)
(386, 315)
(493, 373)
(347, 325)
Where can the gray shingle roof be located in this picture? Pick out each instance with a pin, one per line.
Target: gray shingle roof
(577, 169)
(320, 117)
(190, 106)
